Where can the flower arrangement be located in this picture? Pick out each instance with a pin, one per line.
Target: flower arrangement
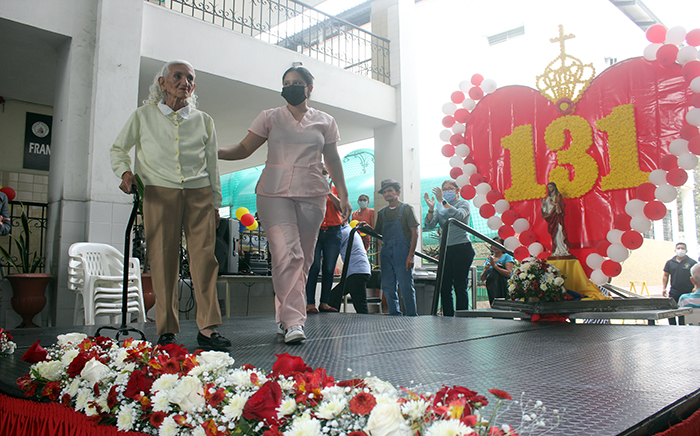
(7, 347)
(537, 280)
(166, 391)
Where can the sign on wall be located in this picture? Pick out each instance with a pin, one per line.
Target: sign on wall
(37, 142)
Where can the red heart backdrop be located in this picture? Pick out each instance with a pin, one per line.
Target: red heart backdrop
(659, 97)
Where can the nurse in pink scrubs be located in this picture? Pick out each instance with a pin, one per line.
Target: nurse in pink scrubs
(292, 191)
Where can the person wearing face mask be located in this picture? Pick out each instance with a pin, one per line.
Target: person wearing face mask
(459, 254)
(497, 271)
(678, 269)
(364, 214)
(292, 191)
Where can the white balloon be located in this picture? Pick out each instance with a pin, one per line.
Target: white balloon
(462, 150)
(501, 206)
(598, 278)
(678, 147)
(459, 128)
(675, 35)
(465, 86)
(456, 161)
(618, 252)
(445, 135)
(594, 260)
(520, 225)
(462, 180)
(614, 236)
(658, 177)
(641, 224)
(650, 51)
(687, 54)
(483, 189)
(693, 117)
(535, 248)
(687, 161)
(635, 207)
(666, 193)
(449, 108)
(468, 103)
(512, 243)
(494, 223)
(469, 169)
(695, 85)
(488, 86)
(479, 201)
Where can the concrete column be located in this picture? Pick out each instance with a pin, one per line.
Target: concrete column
(396, 147)
(96, 91)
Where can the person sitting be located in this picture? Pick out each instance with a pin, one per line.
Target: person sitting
(692, 299)
(497, 271)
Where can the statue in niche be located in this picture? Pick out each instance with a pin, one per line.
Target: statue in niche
(553, 212)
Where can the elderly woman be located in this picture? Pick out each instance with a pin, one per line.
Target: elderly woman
(176, 159)
(292, 190)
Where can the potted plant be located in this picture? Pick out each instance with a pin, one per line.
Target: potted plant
(28, 285)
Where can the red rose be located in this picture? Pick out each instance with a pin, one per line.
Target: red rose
(262, 405)
(35, 354)
(157, 418)
(138, 382)
(288, 365)
(357, 433)
(503, 395)
(362, 403)
(65, 400)
(77, 365)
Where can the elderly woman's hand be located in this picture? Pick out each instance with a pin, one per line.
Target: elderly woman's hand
(128, 180)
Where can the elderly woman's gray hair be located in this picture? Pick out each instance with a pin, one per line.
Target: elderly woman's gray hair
(156, 94)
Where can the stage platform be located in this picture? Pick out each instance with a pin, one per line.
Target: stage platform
(611, 379)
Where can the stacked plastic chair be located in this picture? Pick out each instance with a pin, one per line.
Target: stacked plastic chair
(95, 274)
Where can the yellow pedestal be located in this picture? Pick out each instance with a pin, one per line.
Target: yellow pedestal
(576, 279)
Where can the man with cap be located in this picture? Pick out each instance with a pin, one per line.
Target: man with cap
(398, 226)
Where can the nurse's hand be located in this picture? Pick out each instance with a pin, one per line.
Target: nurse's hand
(345, 208)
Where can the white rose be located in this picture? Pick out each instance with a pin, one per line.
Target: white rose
(543, 286)
(386, 420)
(69, 356)
(523, 275)
(188, 394)
(380, 387)
(92, 372)
(52, 370)
(559, 281)
(70, 338)
(215, 358)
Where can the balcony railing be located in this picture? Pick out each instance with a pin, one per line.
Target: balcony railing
(297, 27)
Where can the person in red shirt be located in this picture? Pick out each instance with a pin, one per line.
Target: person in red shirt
(366, 214)
(326, 254)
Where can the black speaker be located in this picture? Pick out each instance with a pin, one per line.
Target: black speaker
(226, 250)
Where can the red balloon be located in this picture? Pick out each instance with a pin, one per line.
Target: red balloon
(505, 232)
(694, 145)
(457, 97)
(645, 192)
(668, 162)
(509, 217)
(476, 179)
(468, 159)
(448, 121)
(602, 247)
(632, 240)
(611, 268)
(448, 150)
(478, 78)
(462, 116)
(656, 34)
(689, 132)
(457, 139)
(655, 210)
(527, 237)
(696, 100)
(11, 194)
(693, 37)
(467, 192)
(691, 70)
(476, 93)
(487, 210)
(247, 219)
(493, 196)
(622, 221)
(667, 54)
(677, 177)
(521, 253)
(455, 172)
(544, 255)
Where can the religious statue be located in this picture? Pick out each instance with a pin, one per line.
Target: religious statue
(553, 213)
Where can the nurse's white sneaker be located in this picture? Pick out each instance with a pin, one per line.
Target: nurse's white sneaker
(294, 334)
(280, 329)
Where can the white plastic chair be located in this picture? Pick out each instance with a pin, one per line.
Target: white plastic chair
(693, 318)
(95, 272)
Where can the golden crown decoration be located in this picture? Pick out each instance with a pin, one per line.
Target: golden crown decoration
(565, 78)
